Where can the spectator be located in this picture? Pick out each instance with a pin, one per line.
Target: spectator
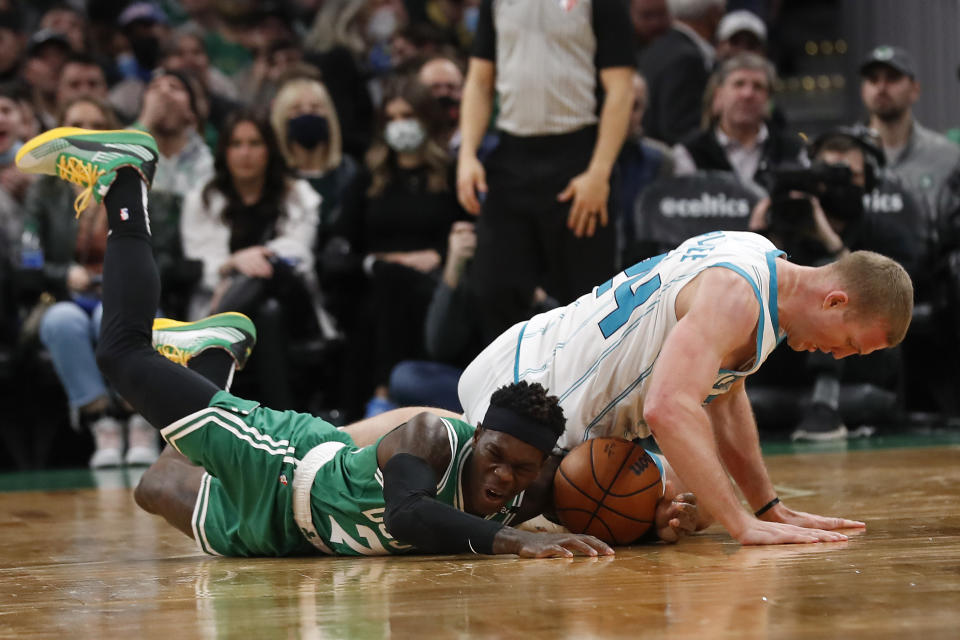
(650, 19)
(741, 32)
(445, 80)
(739, 139)
(13, 183)
(253, 229)
(72, 262)
(186, 53)
(173, 114)
(456, 18)
(921, 158)
(413, 44)
(145, 27)
(544, 217)
(308, 132)
(46, 54)
(677, 66)
(339, 24)
(70, 22)
(81, 75)
(11, 45)
(273, 64)
(833, 225)
(395, 223)
(641, 162)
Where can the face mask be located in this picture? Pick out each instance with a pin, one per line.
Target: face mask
(381, 25)
(451, 109)
(404, 136)
(147, 51)
(471, 17)
(308, 130)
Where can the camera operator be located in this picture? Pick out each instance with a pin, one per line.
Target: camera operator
(820, 213)
(841, 203)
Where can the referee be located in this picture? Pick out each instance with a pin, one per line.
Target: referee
(545, 189)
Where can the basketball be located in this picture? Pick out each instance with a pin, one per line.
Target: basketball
(607, 488)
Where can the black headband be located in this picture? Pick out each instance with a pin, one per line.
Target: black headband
(523, 428)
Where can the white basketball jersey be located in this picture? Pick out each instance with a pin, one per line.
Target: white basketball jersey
(597, 353)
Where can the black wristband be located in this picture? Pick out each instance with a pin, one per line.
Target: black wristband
(770, 505)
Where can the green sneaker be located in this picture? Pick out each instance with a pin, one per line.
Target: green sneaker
(89, 158)
(180, 341)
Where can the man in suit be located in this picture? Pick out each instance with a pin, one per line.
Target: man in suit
(677, 66)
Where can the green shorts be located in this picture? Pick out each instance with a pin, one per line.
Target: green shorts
(251, 453)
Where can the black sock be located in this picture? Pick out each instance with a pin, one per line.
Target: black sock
(126, 203)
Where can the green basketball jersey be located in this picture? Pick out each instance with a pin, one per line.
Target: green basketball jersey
(338, 495)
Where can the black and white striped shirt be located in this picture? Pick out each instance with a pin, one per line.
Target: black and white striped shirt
(547, 55)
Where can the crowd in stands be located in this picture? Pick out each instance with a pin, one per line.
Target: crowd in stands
(386, 185)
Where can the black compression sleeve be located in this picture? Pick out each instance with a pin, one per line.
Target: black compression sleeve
(414, 516)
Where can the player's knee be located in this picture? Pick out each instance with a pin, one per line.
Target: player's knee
(148, 491)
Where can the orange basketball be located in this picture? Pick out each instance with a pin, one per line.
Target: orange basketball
(608, 488)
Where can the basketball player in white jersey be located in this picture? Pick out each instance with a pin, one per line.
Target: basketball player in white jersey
(664, 347)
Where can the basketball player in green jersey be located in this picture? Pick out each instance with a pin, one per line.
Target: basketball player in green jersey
(283, 483)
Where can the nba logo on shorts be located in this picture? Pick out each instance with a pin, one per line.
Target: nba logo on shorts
(124, 214)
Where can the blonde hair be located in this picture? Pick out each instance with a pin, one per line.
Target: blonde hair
(879, 288)
(280, 114)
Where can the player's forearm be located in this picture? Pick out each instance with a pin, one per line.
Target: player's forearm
(686, 440)
(739, 446)
(614, 120)
(413, 516)
(434, 527)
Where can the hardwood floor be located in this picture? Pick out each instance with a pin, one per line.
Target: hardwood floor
(87, 563)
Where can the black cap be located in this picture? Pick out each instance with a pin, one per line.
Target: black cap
(44, 37)
(893, 57)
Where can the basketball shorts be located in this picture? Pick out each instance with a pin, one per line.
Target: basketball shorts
(251, 454)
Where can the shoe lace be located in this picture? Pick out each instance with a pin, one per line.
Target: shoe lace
(83, 173)
(174, 353)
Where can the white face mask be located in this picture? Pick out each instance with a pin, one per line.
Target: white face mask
(381, 24)
(405, 136)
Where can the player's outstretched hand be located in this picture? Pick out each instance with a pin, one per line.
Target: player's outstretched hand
(760, 532)
(676, 518)
(527, 544)
(786, 515)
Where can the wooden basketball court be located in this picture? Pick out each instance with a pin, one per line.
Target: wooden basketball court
(88, 564)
